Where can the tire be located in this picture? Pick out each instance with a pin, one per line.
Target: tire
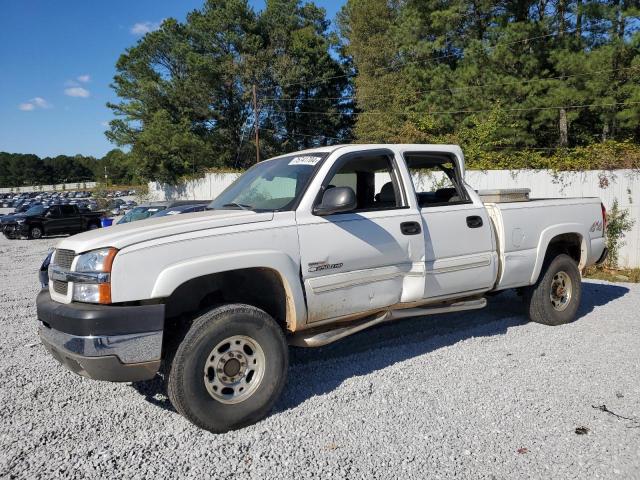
(196, 373)
(554, 299)
(35, 233)
(93, 226)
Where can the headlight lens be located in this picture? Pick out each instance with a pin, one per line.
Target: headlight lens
(20, 220)
(96, 260)
(86, 292)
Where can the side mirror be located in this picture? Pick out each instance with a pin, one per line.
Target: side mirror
(337, 200)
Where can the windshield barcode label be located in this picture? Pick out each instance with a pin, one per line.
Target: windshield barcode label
(305, 160)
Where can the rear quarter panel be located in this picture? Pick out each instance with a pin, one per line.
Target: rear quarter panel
(525, 229)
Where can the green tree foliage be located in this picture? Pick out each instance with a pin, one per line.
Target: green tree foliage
(27, 169)
(186, 89)
(444, 69)
(618, 223)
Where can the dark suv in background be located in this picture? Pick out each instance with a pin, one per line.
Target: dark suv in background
(42, 220)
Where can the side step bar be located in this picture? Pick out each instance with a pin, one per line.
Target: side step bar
(315, 338)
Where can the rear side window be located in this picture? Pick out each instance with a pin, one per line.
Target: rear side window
(436, 180)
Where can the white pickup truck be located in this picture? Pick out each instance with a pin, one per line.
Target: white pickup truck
(304, 249)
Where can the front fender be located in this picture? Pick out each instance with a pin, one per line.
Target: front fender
(549, 234)
(175, 275)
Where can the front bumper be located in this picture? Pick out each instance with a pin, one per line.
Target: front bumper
(15, 230)
(103, 342)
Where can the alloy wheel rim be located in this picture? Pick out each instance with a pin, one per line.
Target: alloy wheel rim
(234, 369)
(561, 291)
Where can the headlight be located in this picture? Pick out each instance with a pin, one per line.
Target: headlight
(90, 292)
(93, 284)
(20, 220)
(96, 260)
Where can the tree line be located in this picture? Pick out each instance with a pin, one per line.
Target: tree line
(518, 83)
(17, 169)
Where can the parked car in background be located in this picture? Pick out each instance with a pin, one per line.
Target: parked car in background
(149, 209)
(41, 220)
(179, 209)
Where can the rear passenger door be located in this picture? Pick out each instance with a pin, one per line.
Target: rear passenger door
(460, 253)
(358, 262)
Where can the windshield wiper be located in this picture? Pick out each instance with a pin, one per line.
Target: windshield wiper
(239, 205)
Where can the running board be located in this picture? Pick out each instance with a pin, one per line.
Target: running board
(319, 338)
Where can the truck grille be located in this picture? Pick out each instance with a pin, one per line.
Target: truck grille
(64, 258)
(60, 287)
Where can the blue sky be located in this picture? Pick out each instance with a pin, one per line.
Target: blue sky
(58, 60)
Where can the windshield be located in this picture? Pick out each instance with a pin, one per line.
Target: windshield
(140, 213)
(270, 185)
(33, 211)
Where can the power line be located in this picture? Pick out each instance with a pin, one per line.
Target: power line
(430, 59)
(289, 134)
(453, 112)
(453, 89)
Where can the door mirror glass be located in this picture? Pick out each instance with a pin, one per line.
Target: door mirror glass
(337, 200)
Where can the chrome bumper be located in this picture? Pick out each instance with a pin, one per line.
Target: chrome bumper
(133, 348)
(116, 358)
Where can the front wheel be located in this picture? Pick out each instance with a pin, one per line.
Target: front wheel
(554, 299)
(230, 368)
(35, 233)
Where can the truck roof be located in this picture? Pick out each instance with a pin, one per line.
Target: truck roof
(435, 148)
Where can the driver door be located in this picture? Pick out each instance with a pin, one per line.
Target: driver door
(358, 262)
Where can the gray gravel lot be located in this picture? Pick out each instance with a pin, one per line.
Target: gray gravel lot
(479, 394)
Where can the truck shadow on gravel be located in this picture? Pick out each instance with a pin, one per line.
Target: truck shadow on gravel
(386, 344)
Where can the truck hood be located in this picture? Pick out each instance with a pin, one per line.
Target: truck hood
(127, 234)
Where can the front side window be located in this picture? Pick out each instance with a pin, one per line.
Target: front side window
(35, 211)
(272, 185)
(372, 178)
(436, 180)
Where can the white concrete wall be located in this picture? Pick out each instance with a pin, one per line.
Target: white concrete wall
(623, 185)
(49, 188)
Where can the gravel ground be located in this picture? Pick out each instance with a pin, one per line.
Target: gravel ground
(479, 394)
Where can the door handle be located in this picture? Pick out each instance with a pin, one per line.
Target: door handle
(410, 228)
(474, 221)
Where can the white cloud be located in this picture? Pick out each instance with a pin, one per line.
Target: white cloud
(40, 102)
(77, 92)
(84, 78)
(36, 102)
(142, 28)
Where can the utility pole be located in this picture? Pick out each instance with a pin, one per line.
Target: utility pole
(256, 124)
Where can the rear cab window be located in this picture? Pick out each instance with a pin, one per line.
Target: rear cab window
(436, 179)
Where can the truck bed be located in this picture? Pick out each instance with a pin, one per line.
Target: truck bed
(523, 228)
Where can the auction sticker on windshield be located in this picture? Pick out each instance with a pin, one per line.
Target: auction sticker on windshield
(305, 160)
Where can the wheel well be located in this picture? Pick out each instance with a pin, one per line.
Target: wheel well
(259, 287)
(567, 243)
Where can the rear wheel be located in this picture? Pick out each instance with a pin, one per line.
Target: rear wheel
(230, 368)
(555, 297)
(35, 232)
